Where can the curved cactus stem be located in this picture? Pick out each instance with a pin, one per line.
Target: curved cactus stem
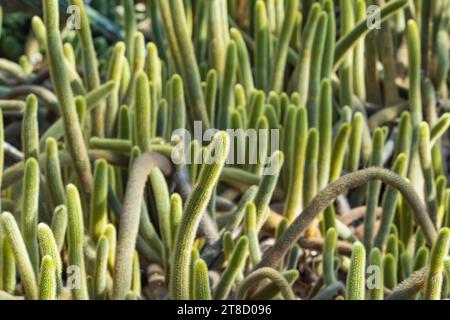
(324, 198)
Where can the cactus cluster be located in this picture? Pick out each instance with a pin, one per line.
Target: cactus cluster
(344, 104)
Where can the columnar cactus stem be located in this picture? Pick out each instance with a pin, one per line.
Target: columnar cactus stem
(272, 274)
(296, 163)
(73, 132)
(53, 173)
(202, 290)
(435, 276)
(329, 249)
(99, 206)
(30, 129)
(48, 247)
(30, 204)
(356, 280)
(376, 292)
(59, 225)
(75, 240)
(90, 64)
(324, 197)
(47, 279)
(8, 267)
(101, 268)
(236, 264)
(390, 200)
(280, 57)
(26, 271)
(193, 210)
(373, 189)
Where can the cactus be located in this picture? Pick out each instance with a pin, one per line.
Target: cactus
(435, 278)
(262, 273)
(193, 210)
(96, 120)
(356, 279)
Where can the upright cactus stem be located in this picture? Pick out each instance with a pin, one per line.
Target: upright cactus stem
(60, 80)
(24, 265)
(435, 276)
(356, 280)
(75, 240)
(30, 205)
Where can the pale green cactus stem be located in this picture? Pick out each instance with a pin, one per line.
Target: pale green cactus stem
(276, 278)
(428, 171)
(354, 152)
(75, 240)
(211, 94)
(177, 117)
(376, 291)
(235, 266)
(53, 173)
(262, 38)
(317, 53)
(438, 254)
(297, 163)
(193, 210)
(324, 197)
(346, 69)
(142, 113)
(252, 235)
(373, 189)
(130, 217)
(329, 250)
(136, 67)
(111, 235)
(359, 84)
(181, 46)
(244, 70)
(439, 128)
(219, 36)
(202, 290)
(30, 204)
(8, 267)
(226, 92)
(90, 65)
(390, 200)
(328, 56)
(115, 68)
(303, 69)
(47, 279)
(59, 225)
(356, 279)
(161, 197)
(340, 143)
(176, 211)
(325, 126)
(101, 268)
(73, 132)
(99, 200)
(130, 28)
(281, 52)
(267, 187)
(23, 262)
(310, 170)
(48, 247)
(30, 128)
